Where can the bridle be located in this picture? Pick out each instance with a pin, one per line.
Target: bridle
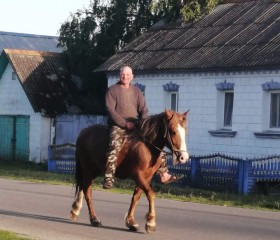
(174, 151)
(169, 144)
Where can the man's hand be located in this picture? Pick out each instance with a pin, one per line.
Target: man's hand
(130, 126)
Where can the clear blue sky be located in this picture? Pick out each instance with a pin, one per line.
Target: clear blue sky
(43, 17)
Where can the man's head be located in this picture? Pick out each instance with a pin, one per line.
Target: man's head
(126, 75)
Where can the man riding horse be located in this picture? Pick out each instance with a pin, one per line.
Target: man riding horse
(126, 108)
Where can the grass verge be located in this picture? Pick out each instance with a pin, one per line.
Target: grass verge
(6, 235)
(29, 171)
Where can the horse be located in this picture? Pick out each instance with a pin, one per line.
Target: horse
(139, 159)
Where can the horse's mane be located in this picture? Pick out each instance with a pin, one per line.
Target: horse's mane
(150, 127)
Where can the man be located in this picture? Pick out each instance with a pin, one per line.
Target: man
(126, 106)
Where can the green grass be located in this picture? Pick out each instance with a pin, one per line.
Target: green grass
(5, 235)
(29, 171)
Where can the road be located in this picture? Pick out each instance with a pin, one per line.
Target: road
(42, 211)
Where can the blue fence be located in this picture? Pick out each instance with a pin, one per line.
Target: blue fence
(213, 172)
(61, 158)
(216, 171)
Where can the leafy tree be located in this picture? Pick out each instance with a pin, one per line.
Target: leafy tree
(94, 34)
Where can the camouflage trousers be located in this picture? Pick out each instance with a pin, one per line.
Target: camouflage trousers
(163, 167)
(117, 136)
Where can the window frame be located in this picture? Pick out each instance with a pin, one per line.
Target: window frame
(223, 130)
(225, 112)
(277, 124)
(14, 76)
(176, 101)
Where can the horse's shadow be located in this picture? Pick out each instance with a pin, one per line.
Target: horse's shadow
(58, 220)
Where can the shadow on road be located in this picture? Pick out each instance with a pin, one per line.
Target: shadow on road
(56, 219)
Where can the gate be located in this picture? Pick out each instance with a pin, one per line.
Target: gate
(14, 141)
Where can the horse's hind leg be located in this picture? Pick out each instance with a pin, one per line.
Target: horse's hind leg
(92, 216)
(129, 219)
(77, 205)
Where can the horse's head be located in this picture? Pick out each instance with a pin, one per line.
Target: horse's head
(176, 134)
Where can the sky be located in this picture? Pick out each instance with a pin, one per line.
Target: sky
(40, 17)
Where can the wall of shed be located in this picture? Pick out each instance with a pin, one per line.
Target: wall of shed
(13, 101)
(68, 127)
(198, 93)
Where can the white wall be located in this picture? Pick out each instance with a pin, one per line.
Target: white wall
(13, 101)
(198, 93)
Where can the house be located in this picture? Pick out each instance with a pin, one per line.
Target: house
(225, 68)
(32, 91)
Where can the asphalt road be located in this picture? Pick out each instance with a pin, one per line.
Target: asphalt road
(42, 211)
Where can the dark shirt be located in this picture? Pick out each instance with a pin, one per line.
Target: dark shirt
(125, 103)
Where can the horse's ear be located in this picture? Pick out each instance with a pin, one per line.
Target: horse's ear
(186, 113)
(168, 113)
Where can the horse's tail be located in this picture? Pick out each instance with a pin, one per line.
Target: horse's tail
(78, 174)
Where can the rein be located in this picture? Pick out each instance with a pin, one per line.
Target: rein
(169, 141)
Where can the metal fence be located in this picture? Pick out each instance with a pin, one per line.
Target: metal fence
(213, 172)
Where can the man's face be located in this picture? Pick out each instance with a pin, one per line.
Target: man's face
(126, 75)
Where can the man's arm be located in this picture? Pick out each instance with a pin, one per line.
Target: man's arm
(110, 102)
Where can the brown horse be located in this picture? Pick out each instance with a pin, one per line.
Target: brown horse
(138, 160)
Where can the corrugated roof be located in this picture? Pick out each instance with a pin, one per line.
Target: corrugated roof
(44, 78)
(12, 40)
(234, 36)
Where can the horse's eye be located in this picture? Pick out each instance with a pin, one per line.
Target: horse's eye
(172, 133)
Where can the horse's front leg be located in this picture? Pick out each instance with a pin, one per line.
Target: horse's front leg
(151, 215)
(92, 216)
(129, 219)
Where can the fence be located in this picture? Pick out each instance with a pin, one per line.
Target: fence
(215, 172)
(61, 158)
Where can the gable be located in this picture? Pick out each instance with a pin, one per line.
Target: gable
(43, 77)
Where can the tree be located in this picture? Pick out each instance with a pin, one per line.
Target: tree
(93, 35)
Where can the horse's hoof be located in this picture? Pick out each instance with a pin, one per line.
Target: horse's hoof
(150, 229)
(132, 225)
(95, 222)
(133, 228)
(73, 216)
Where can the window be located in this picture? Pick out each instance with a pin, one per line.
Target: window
(13, 76)
(225, 98)
(228, 107)
(174, 102)
(171, 95)
(271, 111)
(275, 110)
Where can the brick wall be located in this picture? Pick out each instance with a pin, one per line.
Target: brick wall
(198, 93)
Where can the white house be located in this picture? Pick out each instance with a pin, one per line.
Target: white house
(225, 68)
(32, 92)
(25, 130)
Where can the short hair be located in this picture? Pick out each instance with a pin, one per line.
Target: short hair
(125, 66)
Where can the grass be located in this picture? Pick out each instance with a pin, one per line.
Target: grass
(29, 171)
(5, 235)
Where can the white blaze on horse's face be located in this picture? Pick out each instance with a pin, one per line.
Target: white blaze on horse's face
(183, 148)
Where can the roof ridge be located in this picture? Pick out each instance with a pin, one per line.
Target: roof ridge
(31, 52)
(26, 35)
